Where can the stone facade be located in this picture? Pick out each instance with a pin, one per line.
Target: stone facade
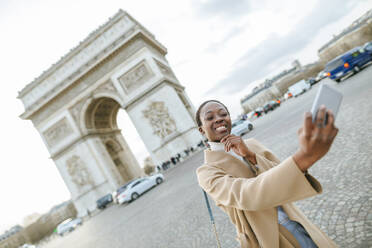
(74, 106)
(360, 33)
(40, 227)
(280, 87)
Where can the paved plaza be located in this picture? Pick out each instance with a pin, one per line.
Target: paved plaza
(174, 214)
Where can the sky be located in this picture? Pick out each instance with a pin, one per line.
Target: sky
(218, 49)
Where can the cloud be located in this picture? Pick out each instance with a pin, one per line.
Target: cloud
(231, 8)
(259, 61)
(215, 46)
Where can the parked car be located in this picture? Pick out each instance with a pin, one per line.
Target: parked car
(268, 107)
(288, 95)
(258, 111)
(250, 115)
(299, 88)
(311, 81)
(28, 246)
(368, 47)
(348, 63)
(321, 75)
(241, 127)
(139, 186)
(121, 189)
(104, 201)
(68, 226)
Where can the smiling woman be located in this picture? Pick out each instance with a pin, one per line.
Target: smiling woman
(254, 188)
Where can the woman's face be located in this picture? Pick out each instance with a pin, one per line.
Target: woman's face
(216, 122)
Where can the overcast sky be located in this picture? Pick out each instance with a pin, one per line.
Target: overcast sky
(218, 49)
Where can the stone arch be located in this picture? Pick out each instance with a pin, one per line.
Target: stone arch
(76, 102)
(88, 103)
(101, 114)
(100, 120)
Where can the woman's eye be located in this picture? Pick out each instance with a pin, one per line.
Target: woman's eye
(209, 118)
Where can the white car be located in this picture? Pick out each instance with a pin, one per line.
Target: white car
(241, 127)
(138, 187)
(68, 225)
(28, 246)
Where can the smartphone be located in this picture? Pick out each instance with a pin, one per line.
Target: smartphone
(329, 97)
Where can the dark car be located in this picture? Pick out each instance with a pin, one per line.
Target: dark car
(312, 81)
(104, 201)
(267, 107)
(368, 47)
(275, 103)
(348, 63)
(270, 106)
(258, 112)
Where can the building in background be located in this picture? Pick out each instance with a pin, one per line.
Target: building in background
(358, 33)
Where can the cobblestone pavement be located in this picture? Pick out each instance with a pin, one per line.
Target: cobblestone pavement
(174, 214)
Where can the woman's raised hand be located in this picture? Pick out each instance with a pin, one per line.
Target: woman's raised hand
(315, 138)
(236, 143)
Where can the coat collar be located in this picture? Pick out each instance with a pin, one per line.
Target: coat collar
(228, 163)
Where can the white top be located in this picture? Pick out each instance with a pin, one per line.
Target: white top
(216, 146)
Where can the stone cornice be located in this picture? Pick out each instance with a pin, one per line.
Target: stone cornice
(44, 99)
(93, 35)
(127, 28)
(159, 83)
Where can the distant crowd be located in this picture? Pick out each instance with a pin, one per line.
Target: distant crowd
(179, 157)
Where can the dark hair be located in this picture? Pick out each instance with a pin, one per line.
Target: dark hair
(197, 115)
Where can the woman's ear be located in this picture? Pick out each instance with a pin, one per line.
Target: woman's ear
(201, 130)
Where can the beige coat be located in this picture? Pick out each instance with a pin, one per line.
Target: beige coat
(250, 201)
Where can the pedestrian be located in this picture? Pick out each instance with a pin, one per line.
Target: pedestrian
(173, 159)
(255, 189)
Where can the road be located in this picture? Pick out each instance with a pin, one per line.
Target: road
(174, 214)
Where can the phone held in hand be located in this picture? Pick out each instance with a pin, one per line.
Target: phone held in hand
(328, 97)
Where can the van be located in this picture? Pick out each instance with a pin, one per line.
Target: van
(348, 63)
(299, 88)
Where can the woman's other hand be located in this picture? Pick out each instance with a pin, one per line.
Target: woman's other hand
(236, 143)
(315, 138)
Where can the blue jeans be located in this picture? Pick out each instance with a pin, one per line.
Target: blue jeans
(299, 232)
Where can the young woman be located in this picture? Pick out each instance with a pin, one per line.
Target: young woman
(255, 189)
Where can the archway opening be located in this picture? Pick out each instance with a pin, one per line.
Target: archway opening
(101, 119)
(101, 114)
(132, 137)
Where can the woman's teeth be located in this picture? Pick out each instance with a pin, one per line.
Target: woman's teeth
(221, 129)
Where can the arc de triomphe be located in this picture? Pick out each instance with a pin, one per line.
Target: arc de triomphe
(74, 104)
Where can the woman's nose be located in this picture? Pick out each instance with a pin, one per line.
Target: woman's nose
(219, 119)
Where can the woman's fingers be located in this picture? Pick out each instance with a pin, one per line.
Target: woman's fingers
(230, 142)
(319, 123)
(320, 117)
(225, 138)
(330, 120)
(334, 132)
(307, 125)
(228, 145)
(227, 142)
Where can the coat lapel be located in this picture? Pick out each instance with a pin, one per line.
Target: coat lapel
(232, 165)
